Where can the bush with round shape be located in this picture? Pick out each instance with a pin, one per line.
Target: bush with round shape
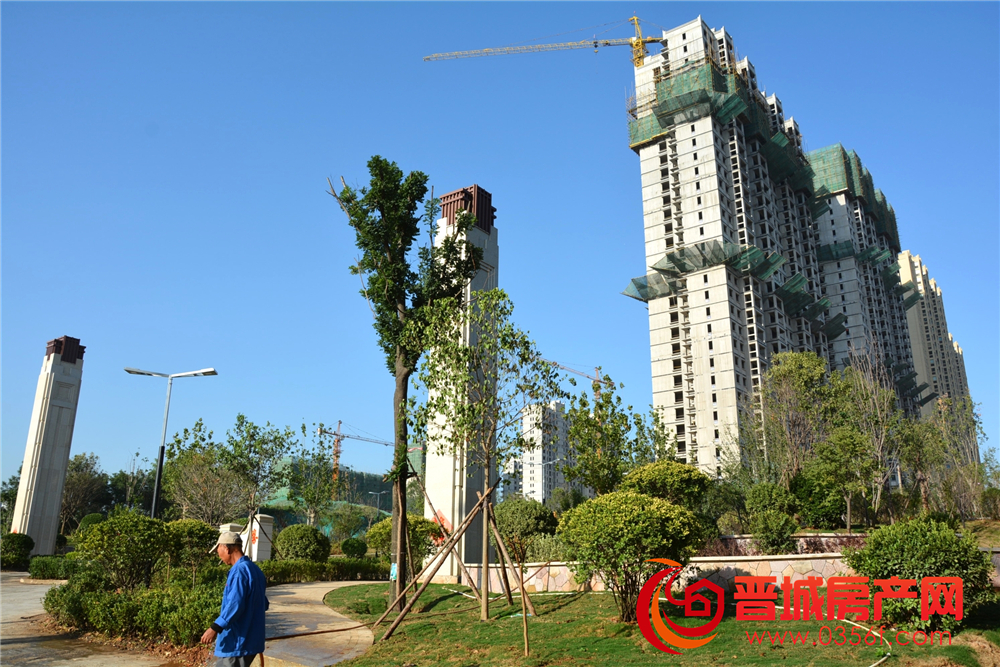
(15, 550)
(128, 546)
(677, 483)
(921, 548)
(819, 504)
(772, 533)
(546, 548)
(352, 547)
(765, 496)
(613, 536)
(424, 533)
(303, 542)
(188, 542)
(88, 521)
(519, 521)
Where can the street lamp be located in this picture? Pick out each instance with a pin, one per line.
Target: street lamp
(379, 499)
(166, 411)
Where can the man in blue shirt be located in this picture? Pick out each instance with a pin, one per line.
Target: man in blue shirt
(240, 626)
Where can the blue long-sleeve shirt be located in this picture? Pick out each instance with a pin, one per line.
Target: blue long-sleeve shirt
(241, 621)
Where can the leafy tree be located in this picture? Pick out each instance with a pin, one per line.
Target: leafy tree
(764, 497)
(480, 386)
(669, 480)
(563, 500)
(607, 439)
(311, 486)
(348, 520)
(615, 534)
(128, 547)
(15, 550)
(196, 481)
(921, 452)
(188, 542)
(85, 490)
(845, 462)
(424, 534)
(819, 504)
(254, 455)
(384, 218)
(8, 498)
(520, 521)
(132, 487)
(962, 478)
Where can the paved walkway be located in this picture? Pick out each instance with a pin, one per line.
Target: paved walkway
(294, 608)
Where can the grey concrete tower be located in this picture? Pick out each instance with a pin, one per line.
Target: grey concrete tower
(46, 455)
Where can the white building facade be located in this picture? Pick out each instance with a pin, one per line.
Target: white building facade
(938, 359)
(741, 236)
(537, 473)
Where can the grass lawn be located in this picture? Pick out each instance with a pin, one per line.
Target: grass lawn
(986, 532)
(580, 629)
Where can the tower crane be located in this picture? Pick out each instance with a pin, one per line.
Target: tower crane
(638, 44)
(339, 437)
(596, 377)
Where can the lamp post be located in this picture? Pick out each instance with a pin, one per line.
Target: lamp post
(378, 500)
(166, 412)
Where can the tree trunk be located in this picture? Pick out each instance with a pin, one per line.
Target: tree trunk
(484, 609)
(848, 499)
(399, 529)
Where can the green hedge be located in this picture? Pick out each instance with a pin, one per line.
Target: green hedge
(54, 567)
(175, 614)
(335, 569)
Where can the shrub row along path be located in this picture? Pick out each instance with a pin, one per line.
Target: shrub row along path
(294, 608)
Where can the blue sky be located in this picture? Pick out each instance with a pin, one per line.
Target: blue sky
(164, 167)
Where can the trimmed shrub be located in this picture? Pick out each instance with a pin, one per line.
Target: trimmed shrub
(772, 533)
(923, 548)
(613, 535)
(128, 546)
(187, 545)
(303, 542)
(54, 567)
(423, 535)
(88, 521)
(519, 521)
(15, 549)
(764, 496)
(949, 520)
(677, 483)
(545, 548)
(335, 569)
(354, 548)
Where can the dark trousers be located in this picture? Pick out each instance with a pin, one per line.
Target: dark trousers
(238, 661)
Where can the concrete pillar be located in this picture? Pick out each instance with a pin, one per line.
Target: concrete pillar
(450, 481)
(46, 455)
(257, 538)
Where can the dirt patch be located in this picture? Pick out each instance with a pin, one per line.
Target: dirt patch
(173, 656)
(987, 652)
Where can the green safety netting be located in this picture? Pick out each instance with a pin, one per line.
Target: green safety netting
(911, 301)
(696, 257)
(766, 269)
(927, 399)
(817, 309)
(791, 286)
(906, 378)
(896, 367)
(649, 287)
(838, 170)
(796, 303)
(703, 88)
(900, 290)
(916, 391)
(834, 326)
(834, 251)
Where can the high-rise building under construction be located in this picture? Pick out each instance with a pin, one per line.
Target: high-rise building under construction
(754, 247)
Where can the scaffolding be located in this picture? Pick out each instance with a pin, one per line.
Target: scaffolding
(834, 326)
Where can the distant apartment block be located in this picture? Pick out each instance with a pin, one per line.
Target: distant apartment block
(938, 359)
(536, 473)
(753, 246)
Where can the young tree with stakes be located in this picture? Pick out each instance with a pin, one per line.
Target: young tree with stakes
(477, 388)
(385, 221)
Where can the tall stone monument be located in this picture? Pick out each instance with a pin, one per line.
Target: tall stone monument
(46, 455)
(451, 480)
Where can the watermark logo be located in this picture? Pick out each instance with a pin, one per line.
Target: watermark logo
(658, 629)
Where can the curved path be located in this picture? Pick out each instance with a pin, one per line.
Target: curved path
(294, 608)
